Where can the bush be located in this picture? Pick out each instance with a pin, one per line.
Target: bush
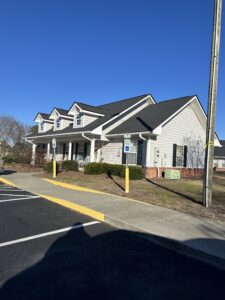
(136, 173)
(48, 167)
(95, 168)
(8, 159)
(69, 165)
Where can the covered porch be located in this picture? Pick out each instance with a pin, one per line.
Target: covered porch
(81, 148)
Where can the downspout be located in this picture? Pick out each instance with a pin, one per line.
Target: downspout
(141, 137)
(85, 137)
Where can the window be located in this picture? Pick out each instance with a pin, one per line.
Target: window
(58, 123)
(179, 156)
(42, 126)
(79, 119)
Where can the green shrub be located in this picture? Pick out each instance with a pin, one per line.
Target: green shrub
(8, 159)
(48, 167)
(95, 168)
(136, 172)
(69, 165)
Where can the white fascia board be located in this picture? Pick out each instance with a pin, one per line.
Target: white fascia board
(59, 134)
(83, 111)
(126, 110)
(132, 133)
(157, 129)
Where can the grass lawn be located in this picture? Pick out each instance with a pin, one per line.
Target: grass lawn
(183, 195)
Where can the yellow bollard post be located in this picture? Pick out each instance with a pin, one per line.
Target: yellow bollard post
(54, 168)
(127, 180)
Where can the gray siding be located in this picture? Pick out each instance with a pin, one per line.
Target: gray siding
(183, 129)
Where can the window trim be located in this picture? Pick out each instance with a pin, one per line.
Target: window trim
(79, 117)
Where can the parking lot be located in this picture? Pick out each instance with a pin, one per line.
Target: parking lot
(50, 252)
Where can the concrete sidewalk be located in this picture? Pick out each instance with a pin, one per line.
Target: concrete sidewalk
(196, 237)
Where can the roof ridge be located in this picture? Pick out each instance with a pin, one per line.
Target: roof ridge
(179, 98)
(145, 95)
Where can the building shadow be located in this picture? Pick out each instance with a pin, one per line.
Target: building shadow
(8, 172)
(119, 185)
(172, 191)
(116, 264)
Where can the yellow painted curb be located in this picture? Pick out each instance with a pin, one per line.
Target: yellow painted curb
(3, 180)
(79, 208)
(72, 186)
(83, 189)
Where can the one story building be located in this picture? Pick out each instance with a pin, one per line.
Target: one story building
(168, 134)
(219, 157)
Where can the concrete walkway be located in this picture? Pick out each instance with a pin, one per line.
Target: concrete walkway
(197, 237)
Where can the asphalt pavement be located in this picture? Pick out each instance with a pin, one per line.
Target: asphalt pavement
(50, 252)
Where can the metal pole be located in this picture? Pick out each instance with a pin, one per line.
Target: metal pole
(127, 177)
(54, 164)
(210, 130)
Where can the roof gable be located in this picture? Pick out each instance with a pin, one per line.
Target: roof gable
(152, 116)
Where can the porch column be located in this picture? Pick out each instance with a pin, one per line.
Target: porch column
(70, 151)
(92, 151)
(33, 154)
(148, 153)
(48, 151)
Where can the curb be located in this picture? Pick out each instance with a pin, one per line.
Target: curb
(76, 207)
(169, 244)
(3, 180)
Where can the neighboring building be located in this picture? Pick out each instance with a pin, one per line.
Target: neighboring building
(168, 134)
(219, 157)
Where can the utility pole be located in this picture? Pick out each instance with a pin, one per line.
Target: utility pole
(213, 82)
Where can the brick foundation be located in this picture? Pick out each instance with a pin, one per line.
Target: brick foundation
(220, 169)
(184, 172)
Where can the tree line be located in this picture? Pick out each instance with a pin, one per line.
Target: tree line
(13, 147)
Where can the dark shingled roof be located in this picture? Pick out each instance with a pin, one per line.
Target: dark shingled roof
(151, 116)
(118, 106)
(92, 108)
(43, 115)
(62, 111)
(220, 151)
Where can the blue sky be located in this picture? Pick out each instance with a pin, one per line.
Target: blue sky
(96, 51)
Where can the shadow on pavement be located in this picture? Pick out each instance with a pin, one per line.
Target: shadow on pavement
(113, 265)
(8, 172)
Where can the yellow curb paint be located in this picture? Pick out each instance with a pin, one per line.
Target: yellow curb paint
(76, 207)
(82, 189)
(72, 186)
(3, 180)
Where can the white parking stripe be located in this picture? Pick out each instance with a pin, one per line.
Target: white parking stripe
(15, 195)
(10, 190)
(37, 236)
(17, 199)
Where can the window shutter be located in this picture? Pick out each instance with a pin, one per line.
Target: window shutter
(76, 150)
(64, 150)
(174, 155)
(123, 156)
(185, 156)
(85, 150)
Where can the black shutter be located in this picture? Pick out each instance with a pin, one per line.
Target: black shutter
(85, 150)
(123, 156)
(185, 156)
(174, 155)
(64, 150)
(76, 151)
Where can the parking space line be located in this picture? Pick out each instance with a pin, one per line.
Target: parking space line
(17, 199)
(15, 195)
(10, 190)
(37, 236)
